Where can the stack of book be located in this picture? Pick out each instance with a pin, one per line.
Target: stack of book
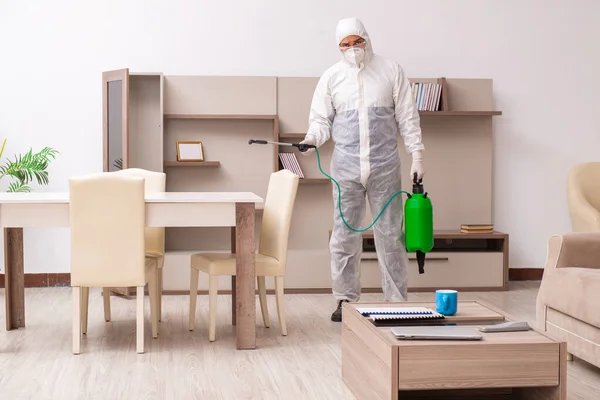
(477, 228)
(290, 162)
(427, 95)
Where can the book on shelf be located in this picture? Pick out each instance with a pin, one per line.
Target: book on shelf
(290, 162)
(427, 95)
(477, 228)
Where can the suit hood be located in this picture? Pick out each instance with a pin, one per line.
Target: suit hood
(354, 26)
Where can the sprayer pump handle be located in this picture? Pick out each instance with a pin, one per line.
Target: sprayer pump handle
(303, 147)
(415, 178)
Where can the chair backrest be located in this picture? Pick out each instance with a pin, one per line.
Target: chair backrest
(277, 214)
(107, 220)
(155, 182)
(583, 197)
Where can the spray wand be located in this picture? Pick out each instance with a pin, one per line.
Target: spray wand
(418, 211)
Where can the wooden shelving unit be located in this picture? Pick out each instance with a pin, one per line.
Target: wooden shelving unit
(224, 112)
(221, 116)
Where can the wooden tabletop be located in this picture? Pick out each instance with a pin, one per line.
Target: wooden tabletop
(161, 197)
(469, 312)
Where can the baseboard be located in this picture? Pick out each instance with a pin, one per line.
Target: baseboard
(64, 279)
(44, 280)
(525, 274)
(269, 291)
(272, 291)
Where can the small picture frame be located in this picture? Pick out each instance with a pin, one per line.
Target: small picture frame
(190, 152)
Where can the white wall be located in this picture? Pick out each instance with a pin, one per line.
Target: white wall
(544, 57)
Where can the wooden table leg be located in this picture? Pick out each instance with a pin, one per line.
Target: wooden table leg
(14, 278)
(233, 285)
(233, 300)
(245, 276)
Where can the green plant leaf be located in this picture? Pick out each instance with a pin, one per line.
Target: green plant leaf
(25, 168)
(18, 187)
(118, 163)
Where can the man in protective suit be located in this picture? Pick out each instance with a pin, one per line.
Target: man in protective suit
(364, 102)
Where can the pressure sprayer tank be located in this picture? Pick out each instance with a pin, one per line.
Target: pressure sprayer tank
(418, 223)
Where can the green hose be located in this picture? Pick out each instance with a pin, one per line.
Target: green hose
(340, 199)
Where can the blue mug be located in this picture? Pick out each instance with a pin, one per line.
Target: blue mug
(446, 302)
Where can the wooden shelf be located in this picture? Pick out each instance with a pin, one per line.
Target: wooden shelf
(452, 234)
(221, 116)
(314, 180)
(459, 113)
(422, 113)
(457, 234)
(292, 135)
(169, 164)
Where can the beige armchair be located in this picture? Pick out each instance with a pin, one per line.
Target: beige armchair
(569, 296)
(583, 196)
(271, 259)
(108, 221)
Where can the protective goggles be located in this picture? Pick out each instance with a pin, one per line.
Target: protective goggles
(354, 43)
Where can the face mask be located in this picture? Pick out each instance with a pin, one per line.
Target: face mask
(355, 55)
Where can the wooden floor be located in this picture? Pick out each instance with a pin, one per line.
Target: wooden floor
(36, 362)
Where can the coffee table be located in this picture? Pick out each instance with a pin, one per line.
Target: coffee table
(504, 365)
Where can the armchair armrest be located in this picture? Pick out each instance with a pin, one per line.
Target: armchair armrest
(576, 250)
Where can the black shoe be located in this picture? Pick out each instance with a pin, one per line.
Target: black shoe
(337, 314)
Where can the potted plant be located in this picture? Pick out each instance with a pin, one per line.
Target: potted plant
(27, 167)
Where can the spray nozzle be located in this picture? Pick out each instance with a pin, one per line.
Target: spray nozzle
(251, 141)
(421, 261)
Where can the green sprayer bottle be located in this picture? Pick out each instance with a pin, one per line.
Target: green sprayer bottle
(418, 222)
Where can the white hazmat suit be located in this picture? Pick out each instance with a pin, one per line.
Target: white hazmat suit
(364, 102)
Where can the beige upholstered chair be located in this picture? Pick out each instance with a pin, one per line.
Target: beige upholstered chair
(583, 195)
(271, 258)
(154, 236)
(107, 220)
(569, 296)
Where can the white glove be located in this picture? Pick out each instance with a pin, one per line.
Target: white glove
(417, 166)
(308, 139)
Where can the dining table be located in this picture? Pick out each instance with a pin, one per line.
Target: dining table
(165, 209)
